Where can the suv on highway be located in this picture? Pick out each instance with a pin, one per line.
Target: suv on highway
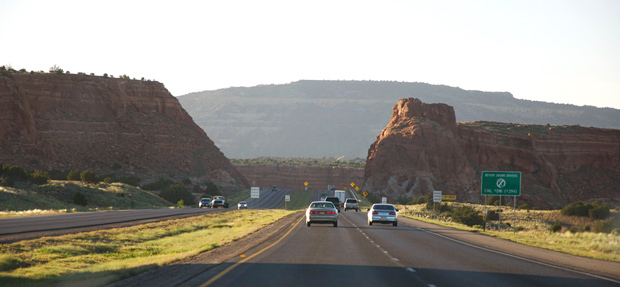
(351, 203)
(204, 202)
(335, 201)
(219, 201)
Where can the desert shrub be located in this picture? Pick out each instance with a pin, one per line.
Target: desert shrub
(556, 227)
(56, 70)
(180, 203)
(160, 184)
(492, 215)
(606, 226)
(58, 174)
(599, 212)
(80, 199)
(403, 199)
(74, 175)
(586, 228)
(467, 215)
(107, 180)
(16, 171)
(573, 229)
(525, 206)
(576, 209)
(519, 228)
(175, 192)
(7, 181)
(39, 177)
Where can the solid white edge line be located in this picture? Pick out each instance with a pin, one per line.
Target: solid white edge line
(519, 257)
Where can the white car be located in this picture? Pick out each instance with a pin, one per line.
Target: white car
(321, 212)
(242, 205)
(383, 213)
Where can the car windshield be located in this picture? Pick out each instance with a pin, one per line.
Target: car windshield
(384, 207)
(322, 205)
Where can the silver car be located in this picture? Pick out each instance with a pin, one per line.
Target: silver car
(321, 212)
(204, 202)
(383, 213)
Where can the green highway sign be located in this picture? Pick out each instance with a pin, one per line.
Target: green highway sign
(501, 183)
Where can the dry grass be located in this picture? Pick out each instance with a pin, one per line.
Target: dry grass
(533, 226)
(101, 257)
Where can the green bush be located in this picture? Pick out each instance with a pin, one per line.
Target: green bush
(16, 171)
(596, 210)
(89, 176)
(74, 175)
(599, 212)
(7, 181)
(180, 203)
(176, 192)
(39, 177)
(107, 180)
(212, 188)
(556, 227)
(606, 226)
(80, 199)
(467, 215)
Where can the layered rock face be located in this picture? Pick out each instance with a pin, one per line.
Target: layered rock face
(293, 177)
(121, 126)
(423, 149)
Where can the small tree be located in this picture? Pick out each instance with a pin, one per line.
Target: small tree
(74, 175)
(176, 192)
(39, 177)
(467, 215)
(56, 70)
(88, 176)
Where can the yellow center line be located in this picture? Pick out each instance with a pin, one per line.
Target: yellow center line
(218, 276)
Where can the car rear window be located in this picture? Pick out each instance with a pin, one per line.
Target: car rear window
(351, 200)
(323, 205)
(384, 207)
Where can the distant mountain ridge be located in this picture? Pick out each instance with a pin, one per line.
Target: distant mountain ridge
(312, 118)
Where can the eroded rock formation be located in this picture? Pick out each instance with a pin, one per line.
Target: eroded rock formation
(423, 149)
(121, 126)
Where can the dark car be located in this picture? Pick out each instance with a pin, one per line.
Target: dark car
(335, 201)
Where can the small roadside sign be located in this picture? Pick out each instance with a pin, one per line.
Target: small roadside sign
(365, 193)
(287, 197)
(306, 183)
(352, 184)
(255, 192)
(384, 199)
(448, 197)
(357, 188)
(437, 196)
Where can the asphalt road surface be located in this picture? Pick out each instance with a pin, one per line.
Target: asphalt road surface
(412, 254)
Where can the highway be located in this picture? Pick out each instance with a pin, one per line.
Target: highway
(412, 254)
(27, 227)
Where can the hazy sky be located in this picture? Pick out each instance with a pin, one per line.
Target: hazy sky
(556, 51)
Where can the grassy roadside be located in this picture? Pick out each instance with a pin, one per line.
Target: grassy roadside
(59, 196)
(300, 199)
(102, 257)
(534, 231)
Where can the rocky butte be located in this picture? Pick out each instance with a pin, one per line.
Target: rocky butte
(120, 126)
(424, 149)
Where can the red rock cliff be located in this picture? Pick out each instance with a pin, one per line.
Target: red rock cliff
(423, 149)
(50, 121)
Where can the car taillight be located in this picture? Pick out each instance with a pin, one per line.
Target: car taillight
(374, 212)
(330, 212)
(392, 213)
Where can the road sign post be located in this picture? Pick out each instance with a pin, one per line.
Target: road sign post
(436, 198)
(502, 183)
(287, 198)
